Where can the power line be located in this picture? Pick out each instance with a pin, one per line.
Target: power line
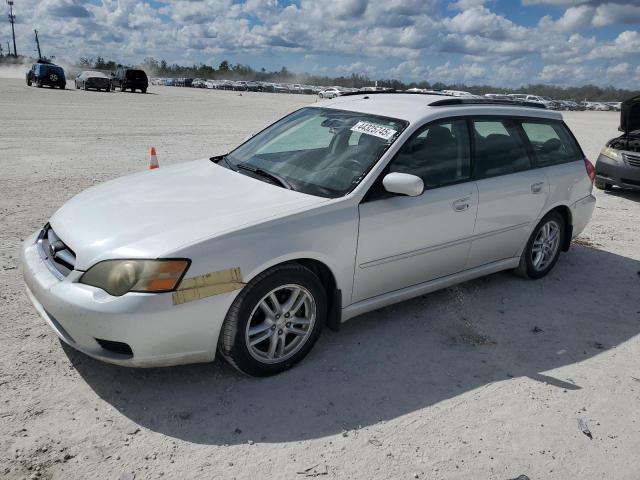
(12, 19)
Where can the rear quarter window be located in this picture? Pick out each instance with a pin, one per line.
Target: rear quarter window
(551, 142)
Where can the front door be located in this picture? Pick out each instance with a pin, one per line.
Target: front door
(404, 241)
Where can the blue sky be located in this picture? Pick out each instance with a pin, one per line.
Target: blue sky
(499, 42)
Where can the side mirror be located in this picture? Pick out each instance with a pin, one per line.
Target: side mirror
(403, 184)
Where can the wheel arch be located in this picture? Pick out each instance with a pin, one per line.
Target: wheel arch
(328, 280)
(567, 216)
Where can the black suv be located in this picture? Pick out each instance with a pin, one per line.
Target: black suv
(43, 73)
(129, 78)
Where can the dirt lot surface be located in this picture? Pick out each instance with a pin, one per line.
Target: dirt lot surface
(487, 380)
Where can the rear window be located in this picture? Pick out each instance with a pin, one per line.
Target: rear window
(551, 143)
(136, 75)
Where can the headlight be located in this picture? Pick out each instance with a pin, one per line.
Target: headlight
(117, 277)
(611, 153)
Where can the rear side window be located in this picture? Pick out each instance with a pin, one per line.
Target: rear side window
(437, 153)
(499, 149)
(551, 143)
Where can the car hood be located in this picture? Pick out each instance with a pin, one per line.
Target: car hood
(630, 115)
(152, 213)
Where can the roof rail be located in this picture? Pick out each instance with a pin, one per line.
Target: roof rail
(400, 92)
(484, 101)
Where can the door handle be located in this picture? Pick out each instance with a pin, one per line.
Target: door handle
(462, 204)
(537, 187)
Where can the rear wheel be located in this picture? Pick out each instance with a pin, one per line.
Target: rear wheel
(144, 90)
(275, 321)
(543, 248)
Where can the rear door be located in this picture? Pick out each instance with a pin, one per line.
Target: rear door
(511, 193)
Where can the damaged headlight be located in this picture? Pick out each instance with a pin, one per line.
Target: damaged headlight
(611, 153)
(117, 277)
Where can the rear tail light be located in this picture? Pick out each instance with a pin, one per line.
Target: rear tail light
(591, 170)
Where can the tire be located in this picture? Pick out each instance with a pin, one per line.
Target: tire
(601, 185)
(28, 83)
(537, 264)
(144, 90)
(261, 359)
(84, 86)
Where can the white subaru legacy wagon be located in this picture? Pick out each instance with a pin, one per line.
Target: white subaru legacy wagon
(333, 211)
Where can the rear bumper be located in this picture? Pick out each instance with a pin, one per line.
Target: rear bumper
(617, 173)
(158, 332)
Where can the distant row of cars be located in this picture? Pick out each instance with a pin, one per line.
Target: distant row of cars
(44, 73)
(239, 85)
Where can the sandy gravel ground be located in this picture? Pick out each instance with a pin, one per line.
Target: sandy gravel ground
(486, 380)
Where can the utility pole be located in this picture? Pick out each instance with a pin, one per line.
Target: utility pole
(12, 19)
(38, 44)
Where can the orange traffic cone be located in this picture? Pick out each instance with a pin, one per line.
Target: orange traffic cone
(153, 161)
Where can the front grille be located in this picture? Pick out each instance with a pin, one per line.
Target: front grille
(59, 257)
(632, 159)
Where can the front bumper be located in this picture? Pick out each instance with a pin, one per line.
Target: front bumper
(617, 172)
(158, 332)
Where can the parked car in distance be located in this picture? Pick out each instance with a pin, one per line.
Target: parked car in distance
(93, 80)
(240, 86)
(498, 96)
(339, 222)
(129, 79)
(280, 88)
(619, 161)
(198, 83)
(254, 86)
(45, 73)
(331, 92)
(616, 106)
(457, 93)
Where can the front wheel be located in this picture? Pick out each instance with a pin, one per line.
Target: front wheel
(543, 248)
(275, 320)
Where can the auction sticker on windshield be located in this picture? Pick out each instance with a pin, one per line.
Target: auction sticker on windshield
(375, 130)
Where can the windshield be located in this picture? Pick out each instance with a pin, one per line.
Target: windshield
(319, 151)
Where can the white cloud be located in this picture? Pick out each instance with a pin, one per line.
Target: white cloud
(455, 41)
(618, 69)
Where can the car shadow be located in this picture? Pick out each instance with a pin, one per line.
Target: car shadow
(394, 361)
(629, 194)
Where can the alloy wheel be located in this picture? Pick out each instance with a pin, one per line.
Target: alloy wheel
(280, 324)
(545, 246)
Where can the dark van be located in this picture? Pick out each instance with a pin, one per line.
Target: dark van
(46, 74)
(129, 78)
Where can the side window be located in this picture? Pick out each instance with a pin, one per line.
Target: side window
(438, 153)
(551, 143)
(499, 149)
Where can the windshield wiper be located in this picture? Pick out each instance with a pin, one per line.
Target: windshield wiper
(265, 173)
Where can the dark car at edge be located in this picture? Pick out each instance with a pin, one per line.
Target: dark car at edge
(619, 161)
